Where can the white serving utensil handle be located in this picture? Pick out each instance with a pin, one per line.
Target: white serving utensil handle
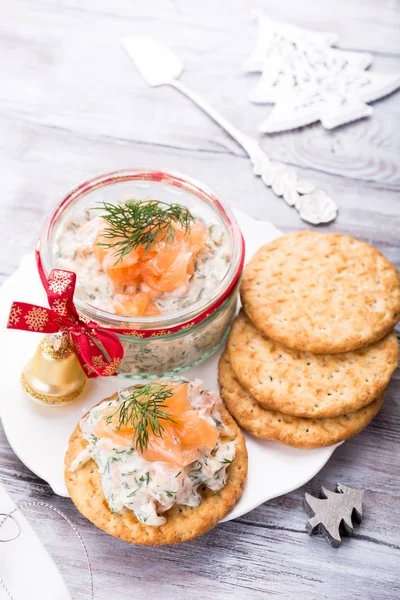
(242, 139)
(314, 206)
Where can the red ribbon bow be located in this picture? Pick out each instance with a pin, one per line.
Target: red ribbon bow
(99, 351)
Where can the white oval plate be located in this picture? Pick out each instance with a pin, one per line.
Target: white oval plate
(39, 434)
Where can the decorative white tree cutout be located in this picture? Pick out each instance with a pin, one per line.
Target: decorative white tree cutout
(307, 80)
(333, 512)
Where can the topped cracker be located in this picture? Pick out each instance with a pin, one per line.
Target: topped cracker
(182, 522)
(321, 292)
(304, 384)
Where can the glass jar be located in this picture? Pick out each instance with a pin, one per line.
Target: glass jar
(167, 343)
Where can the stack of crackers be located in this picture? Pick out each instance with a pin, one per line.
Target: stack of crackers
(311, 353)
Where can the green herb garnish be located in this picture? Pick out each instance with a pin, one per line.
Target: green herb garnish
(134, 491)
(141, 223)
(143, 410)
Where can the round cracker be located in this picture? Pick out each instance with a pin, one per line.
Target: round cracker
(321, 292)
(293, 431)
(183, 522)
(309, 385)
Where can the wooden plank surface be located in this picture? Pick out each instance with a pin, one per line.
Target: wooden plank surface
(72, 106)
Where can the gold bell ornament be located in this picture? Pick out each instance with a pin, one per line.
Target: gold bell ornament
(54, 376)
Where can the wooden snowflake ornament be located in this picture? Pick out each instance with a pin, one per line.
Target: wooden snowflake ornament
(307, 80)
(334, 512)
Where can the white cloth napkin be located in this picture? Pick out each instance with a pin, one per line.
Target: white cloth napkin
(26, 568)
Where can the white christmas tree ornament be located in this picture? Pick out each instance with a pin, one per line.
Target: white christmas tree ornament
(307, 80)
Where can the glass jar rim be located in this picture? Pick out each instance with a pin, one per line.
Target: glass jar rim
(175, 179)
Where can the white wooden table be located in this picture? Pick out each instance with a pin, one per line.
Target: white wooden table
(71, 107)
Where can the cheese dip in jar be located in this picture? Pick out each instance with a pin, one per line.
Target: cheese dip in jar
(158, 259)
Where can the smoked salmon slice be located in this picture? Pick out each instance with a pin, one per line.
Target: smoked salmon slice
(123, 272)
(161, 260)
(197, 238)
(175, 277)
(135, 305)
(98, 250)
(182, 440)
(164, 267)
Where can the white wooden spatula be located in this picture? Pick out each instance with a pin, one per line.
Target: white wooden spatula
(158, 65)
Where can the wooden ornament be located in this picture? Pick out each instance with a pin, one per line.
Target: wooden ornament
(333, 513)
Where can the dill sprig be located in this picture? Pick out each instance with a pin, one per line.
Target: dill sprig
(143, 410)
(141, 223)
